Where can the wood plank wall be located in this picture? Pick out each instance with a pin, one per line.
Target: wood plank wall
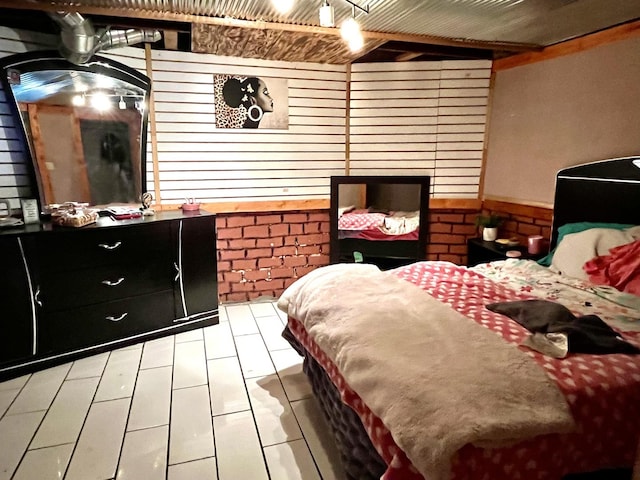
(15, 182)
(197, 160)
(421, 118)
(411, 118)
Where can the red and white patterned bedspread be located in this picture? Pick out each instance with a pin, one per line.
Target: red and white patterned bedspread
(361, 221)
(372, 226)
(603, 392)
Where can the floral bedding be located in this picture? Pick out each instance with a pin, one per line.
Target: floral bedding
(620, 310)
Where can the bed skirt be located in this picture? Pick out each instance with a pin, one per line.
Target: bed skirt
(359, 457)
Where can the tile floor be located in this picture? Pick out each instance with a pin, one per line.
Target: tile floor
(227, 402)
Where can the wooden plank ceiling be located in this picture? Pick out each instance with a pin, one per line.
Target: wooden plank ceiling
(276, 44)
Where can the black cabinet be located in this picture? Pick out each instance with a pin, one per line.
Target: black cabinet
(107, 322)
(85, 267)
(198, 280)
(70, 292)
(17, 329)
(480, 251)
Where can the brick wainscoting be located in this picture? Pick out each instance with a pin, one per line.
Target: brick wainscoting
(260, 254)
(520, 221)
(448, 234)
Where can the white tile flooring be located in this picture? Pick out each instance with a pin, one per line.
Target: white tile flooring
(227, 402)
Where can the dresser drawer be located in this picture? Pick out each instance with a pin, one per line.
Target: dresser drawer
(89, 326)
(72, 250)
(77, 288)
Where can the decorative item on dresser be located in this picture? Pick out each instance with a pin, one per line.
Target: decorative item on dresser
(70, 292)
(379, 219)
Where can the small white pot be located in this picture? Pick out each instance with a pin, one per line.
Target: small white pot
(489, 234)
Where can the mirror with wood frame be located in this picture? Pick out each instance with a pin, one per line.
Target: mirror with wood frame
(85, 126)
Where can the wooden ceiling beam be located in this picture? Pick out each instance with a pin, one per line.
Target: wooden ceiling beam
(230, 22)
(408, 56)
(570, 47)
(170, 39)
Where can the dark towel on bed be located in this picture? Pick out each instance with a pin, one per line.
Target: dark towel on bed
(586, 334)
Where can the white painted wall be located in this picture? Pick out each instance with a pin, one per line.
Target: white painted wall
(421, 118)
(213, 165)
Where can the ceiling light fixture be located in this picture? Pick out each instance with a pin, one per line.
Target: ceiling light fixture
(351, 33)
(350, 29)
(283, 6)
(121, 104)
(326, 15)
(354, 5)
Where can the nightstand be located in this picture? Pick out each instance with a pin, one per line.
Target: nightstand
(479, 251)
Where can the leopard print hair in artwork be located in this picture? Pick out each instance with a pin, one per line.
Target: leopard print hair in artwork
(226, 116)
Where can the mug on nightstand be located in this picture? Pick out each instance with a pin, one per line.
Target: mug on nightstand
(534, 244)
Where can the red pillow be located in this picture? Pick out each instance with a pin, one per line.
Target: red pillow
(619, 269)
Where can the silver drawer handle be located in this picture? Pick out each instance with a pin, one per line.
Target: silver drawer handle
(36, 297)
(110, 247)
(177, 271)
(116, 319)
(109, 283)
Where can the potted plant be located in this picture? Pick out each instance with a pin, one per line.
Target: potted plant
(489, 224)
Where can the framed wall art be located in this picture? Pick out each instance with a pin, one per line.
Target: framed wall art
(251, 102)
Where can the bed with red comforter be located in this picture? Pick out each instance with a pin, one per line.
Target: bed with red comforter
(420, 379)
(492, 429)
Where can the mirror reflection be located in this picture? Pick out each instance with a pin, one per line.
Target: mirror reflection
(85, 126)
(379, 211)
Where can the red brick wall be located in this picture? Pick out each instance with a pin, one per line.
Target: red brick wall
(260, 254)
(520, 221)
(448, 234)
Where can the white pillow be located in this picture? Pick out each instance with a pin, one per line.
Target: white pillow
(576, 249)
(343, 210)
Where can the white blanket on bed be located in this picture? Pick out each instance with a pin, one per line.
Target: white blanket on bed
(435, 378)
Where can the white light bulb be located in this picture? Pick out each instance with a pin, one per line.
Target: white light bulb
(77, 100)
(356, 43)
(326, 15)
(100, 102)
(349, 29)
(283, 6)
(121, 104)
(350, 32)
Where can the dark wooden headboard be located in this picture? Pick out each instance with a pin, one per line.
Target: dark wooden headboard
(604, 191)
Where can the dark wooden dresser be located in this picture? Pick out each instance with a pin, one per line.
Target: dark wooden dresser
(68, 292)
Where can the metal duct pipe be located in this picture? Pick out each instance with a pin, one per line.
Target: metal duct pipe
(122, 38)
(79, 40)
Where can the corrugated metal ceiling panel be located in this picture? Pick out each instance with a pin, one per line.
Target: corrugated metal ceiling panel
(541, 22)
